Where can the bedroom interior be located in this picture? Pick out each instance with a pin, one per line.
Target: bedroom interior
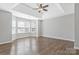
(39, 29)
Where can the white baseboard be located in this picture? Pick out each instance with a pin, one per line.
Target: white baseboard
(60, 38)
(7, 42)
(76, 47)
(48, 37)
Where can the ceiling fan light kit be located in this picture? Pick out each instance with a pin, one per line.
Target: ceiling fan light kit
(41, 8)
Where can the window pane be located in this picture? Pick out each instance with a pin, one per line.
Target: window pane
(27, 30)
(27, 24)
(33, 29)
(33, 25)
(13, 23)
(13, 26)
(21, 30)
(13, 30)
(21, 24)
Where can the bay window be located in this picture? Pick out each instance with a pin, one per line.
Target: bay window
(23, 26)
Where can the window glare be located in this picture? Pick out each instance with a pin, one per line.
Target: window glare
(13, 23)
(21, 24)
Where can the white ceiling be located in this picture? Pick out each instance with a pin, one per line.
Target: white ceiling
(23, 8)
(58, 9)
(54, 9)
(6, 6)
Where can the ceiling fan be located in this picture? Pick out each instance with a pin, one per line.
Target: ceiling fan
(41, 7)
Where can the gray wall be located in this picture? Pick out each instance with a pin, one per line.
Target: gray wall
(76, 26)
(60, 27)
(5, 26)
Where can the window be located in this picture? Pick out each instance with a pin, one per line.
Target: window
(21, 26)
(21, 30)
(27, 24)
(33, 26)
(13, 26)
(27, 27)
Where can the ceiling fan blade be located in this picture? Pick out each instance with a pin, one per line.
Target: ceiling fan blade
(39, 11)
(45, 6)
(45, 9)
(40, 5)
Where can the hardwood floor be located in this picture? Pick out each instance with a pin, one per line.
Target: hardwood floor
(5, 48)
(38, 46)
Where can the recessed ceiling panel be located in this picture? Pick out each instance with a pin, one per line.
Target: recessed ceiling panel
(26, 10)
